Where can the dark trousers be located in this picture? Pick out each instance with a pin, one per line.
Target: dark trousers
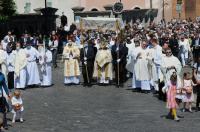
(5, 124)
(10, 80)
(196, 54)
(122, 73)
(161, 95)
(198, 95)
(54, 54)
(89, 72)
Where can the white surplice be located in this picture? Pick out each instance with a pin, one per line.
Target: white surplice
(168, 62)
(20, 65)
(45, 62)
(156, 55)
(32, 68)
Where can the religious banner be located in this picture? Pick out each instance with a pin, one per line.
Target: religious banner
(101, 23)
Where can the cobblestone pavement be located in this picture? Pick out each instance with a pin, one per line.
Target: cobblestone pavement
(97, 109)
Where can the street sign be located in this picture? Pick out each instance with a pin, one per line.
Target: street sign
(179, 8)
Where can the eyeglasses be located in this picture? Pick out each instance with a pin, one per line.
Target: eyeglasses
(168, 52)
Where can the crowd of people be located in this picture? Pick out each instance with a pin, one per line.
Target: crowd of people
(152, 56)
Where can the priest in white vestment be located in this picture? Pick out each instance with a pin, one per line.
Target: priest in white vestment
(32, 54)
(103, 69)
(45, 61)
(131, 46)
(141, 67)
(20, 65)
(131, 66)
(156, 60)
(171, 64)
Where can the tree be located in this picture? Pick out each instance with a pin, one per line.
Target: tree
(7, 8)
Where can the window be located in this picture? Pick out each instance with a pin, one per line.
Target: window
(94, 9)
(27, 7)
(49, 3)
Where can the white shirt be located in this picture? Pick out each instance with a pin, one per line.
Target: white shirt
(156, 54)
(185, 44)
(53, 44)
(33, 54)
(66, 28)
(10, 61)
(198, 70)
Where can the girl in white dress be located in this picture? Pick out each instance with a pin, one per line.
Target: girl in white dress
(188, 95)
(17, 105)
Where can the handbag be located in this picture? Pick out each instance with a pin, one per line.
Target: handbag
(189, 90)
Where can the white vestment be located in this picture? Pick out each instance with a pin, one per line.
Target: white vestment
(20, 64)
(141, 76)
(129, 64)
(32, 68)
(45, 62)
(156, 55)
(168, 62)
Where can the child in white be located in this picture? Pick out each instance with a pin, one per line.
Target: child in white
(188, 95)
(17, 105)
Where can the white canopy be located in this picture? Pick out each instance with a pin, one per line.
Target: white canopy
(101, 23)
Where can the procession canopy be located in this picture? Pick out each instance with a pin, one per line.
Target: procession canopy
(101, 23)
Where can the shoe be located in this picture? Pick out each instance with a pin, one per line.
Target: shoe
(177, 119)
(6, 127)
(196, 109)
(13, 121)
(21, 120)
(190, 111)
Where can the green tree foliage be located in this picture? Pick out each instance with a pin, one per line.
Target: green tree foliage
(7, 8)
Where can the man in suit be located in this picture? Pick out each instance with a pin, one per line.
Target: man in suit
(87, 57)
(119, 52)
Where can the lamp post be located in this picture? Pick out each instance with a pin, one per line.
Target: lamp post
(45, 4)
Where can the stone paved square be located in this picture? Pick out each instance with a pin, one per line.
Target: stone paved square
(97, 109)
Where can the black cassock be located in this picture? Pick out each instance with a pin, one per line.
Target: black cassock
(90, 54)
(119, 52)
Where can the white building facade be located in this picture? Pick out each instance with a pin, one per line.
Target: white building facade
(28, 6)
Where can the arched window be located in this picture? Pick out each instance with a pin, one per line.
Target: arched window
(137, 8)
(94, 9)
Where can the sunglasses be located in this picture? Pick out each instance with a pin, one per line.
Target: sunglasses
(168, 52)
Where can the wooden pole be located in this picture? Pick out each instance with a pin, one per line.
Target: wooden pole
(117, 27)
(86, 69)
